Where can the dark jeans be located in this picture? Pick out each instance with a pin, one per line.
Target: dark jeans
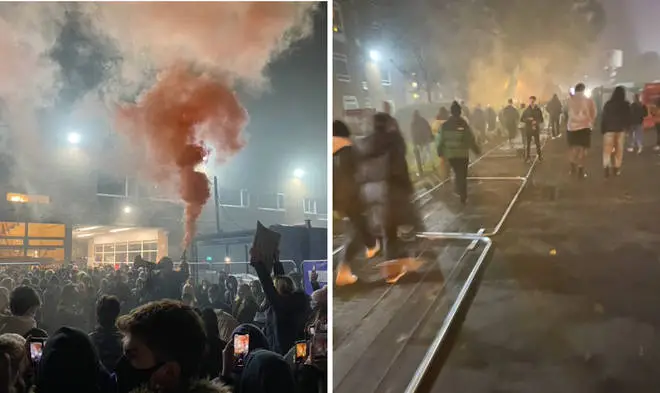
(358, 236)
(532, 134)
(460, 168)
(554, 126)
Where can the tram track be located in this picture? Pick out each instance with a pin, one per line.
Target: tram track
(409, 339)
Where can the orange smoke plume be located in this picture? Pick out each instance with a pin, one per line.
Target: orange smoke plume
(178, 118)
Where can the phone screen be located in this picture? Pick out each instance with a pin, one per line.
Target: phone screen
(301, 351)
(36, 350)
(320, 346)
(241, 348)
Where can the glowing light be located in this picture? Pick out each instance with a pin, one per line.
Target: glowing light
(415, 96)
(120, 230)
(227, 260)
(587, 93)
(74, 138)
(374, 55)
(86, 235)
(127, 209)
(414, 85)
(298, 173)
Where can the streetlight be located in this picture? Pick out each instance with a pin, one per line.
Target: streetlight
(74, 138)
(127, 209)
(298, 173)
(374, 55)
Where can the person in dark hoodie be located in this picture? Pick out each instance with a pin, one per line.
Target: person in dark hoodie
(616, 120)
(70, 364)
(510, 121)
(347, 201)
(478, 123)
(106, 337)
(554, 109)
(287, 309)
(638, 112)
(454, 141)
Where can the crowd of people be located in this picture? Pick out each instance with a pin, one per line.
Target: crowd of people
(373, 189)
(150, 328)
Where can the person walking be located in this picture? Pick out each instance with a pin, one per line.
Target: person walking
(581, 117)
(615, 122)
(422, 136)
(454, 142)
(347, 201)
(554, 111)
(532, 118)
(638, 112)
(510, 119)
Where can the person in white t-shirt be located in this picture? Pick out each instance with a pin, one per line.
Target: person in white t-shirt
(581, 117)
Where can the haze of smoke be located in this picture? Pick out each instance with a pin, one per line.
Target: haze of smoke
(184, 112)
(496, 76)
(239, 38)
(171, 117)
(28, 80)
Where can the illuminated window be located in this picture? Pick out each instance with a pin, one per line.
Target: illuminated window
(122, 252)
(232, 198)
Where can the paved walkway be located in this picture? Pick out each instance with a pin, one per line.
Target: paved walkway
(571, 300)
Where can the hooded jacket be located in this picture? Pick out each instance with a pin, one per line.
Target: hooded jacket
(616, 117)
(455, 139)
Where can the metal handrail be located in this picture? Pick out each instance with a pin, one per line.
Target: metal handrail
(437, 186)
(440, 343)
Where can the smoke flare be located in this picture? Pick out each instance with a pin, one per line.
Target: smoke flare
(177, 118)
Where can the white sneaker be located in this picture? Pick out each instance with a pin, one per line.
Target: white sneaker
(630, 149)
(656, 148)
(639, 150)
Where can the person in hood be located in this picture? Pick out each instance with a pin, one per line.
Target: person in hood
(454, 141)
(70, 364)
(581, 117)
(347, 201)
(532, 118)
(554, 109)
(265, 372)
(24, 303)
(422, 136)
(616, 120)
(164, 347)
(638, 112)
(288, 309)
(510, 121)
